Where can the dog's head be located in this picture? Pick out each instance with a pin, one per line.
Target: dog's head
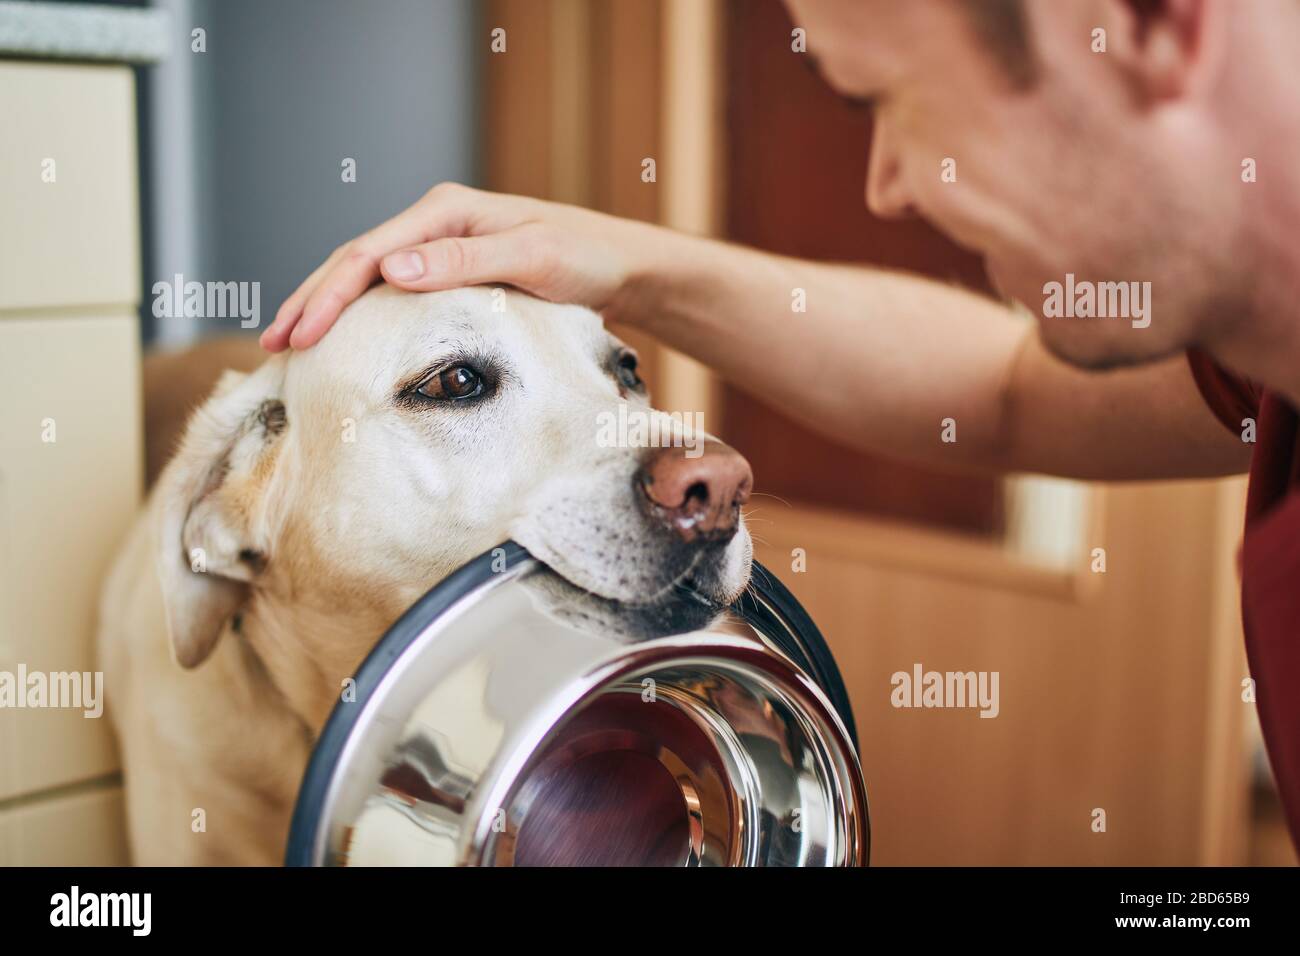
(424, 430)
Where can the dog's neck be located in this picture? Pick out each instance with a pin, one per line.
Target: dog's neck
(305, 651)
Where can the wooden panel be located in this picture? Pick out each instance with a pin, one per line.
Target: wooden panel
(796, 173)
(1127, 699)
(67, 503)
(517, 94)
(86, 828)
(626, 106)
(72, 241)
(625, 115)
(572, 109)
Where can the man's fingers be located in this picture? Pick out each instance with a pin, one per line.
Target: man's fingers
(275, 338)
(352, 275)
(309, 312)
(517, 256)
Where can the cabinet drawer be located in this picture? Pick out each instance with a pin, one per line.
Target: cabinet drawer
(82, 829)
(65, 504)
(72, 241)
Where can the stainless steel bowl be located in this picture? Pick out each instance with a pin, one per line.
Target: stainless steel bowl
(506, 720)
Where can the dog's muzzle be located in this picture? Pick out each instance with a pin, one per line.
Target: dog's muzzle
(486, 729)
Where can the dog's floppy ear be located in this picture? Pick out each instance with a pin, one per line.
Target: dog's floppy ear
(213, 525)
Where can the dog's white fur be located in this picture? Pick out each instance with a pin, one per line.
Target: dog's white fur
(309, 504)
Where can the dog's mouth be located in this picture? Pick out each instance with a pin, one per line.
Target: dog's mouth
(691, 602)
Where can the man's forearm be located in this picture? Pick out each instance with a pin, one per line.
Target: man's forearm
(877, 359)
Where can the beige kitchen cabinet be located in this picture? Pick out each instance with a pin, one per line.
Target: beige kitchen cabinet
(69, 479)
(78, 829)
(68, 186)
(70, 442)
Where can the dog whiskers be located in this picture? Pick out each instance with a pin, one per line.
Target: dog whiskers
(766, 494)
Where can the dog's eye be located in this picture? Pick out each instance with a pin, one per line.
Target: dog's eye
(625, 370)
(452, 384)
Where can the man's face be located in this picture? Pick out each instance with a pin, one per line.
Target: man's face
(1068, 175)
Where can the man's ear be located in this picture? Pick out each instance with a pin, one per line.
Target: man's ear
(1159, 43)
(213, 526)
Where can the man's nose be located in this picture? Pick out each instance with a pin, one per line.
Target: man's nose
(698, 498)
(886, 190)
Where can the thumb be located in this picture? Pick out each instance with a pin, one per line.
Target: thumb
(513, 256)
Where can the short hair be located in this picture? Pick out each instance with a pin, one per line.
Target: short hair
(1003, 27)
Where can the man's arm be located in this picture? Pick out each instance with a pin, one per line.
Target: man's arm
(879, 358)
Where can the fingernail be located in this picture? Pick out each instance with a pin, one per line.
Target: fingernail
(404, 266)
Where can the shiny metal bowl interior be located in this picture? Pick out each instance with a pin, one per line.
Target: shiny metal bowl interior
(504, 735)
(729, 765)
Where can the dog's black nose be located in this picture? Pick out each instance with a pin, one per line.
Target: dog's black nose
(698, 498)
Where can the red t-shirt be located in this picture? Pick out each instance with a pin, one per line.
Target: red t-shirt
(1270, 565)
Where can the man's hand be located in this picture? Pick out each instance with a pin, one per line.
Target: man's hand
(456, 236)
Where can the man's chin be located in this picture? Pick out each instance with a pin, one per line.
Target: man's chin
(1095, 351)
(1088, 344)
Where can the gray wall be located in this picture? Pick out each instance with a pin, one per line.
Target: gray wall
(286, 90)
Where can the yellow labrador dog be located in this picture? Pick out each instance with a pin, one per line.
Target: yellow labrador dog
(313, 500)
